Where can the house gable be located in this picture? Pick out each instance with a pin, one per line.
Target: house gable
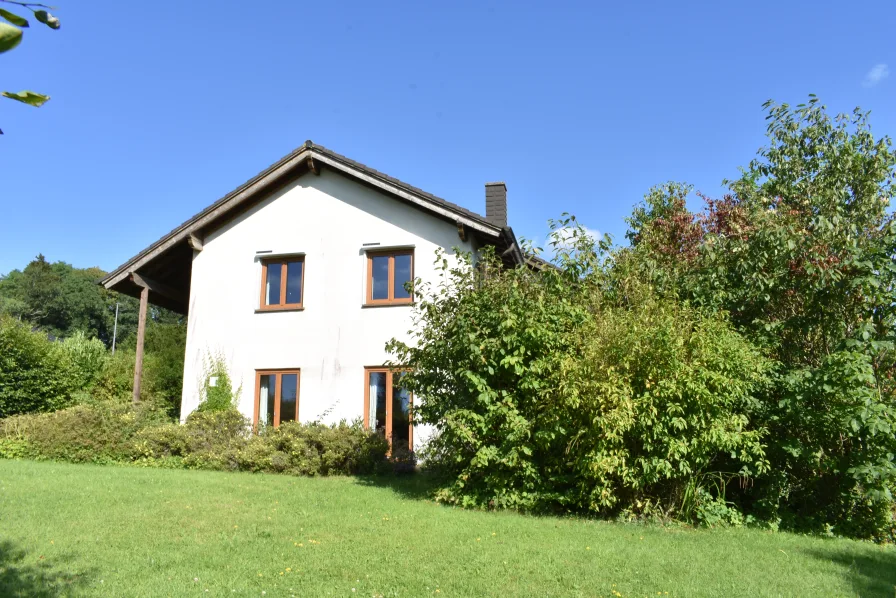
(167, 262)
(334, 225)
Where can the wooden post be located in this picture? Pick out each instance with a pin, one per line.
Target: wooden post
(141, 331)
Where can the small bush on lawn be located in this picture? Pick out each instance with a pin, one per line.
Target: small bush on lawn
(109, 432)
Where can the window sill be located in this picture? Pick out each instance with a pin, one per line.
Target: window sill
(278, 309)
(399, 304)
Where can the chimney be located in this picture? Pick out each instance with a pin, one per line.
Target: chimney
(496, 203)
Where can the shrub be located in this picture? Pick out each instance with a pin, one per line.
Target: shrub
(35, 376)
(164, 366)
(217, 387)
(207, 440)
(115, 381)
(549, 393)
(112, 431)
(318, 449)
(97, 433)
(222, 440)
(87, 356)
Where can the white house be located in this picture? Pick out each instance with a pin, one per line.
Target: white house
(298, 279)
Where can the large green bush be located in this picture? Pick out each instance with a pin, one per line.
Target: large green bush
(163, 367)
(802, 256)
(40, 374)
(549, 394)
(729, 364)
(115, 380)
(35, 374)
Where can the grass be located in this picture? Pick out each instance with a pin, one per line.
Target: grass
(81, 530)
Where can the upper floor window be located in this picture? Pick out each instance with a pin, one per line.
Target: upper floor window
(387, 274)
(282, 280)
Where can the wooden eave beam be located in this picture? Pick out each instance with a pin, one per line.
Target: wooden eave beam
(461, 231)
(158, 287)
(313, 167)
(195, 242)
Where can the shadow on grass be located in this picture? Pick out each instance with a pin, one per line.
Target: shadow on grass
(871, 574)
(416, 486)
(23, 575)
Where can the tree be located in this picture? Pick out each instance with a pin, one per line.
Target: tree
(11, 35)
(800, 255)
(61, 299)
(549, 391)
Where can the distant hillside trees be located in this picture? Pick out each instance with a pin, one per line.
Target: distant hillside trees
(56, 302)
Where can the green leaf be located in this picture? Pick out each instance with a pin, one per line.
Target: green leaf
(47, 19)
(27, 97)
(13, 18)
(10, 37)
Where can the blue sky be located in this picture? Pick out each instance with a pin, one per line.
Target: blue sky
(158, 109)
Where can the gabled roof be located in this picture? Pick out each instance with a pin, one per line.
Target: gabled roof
(168, 260)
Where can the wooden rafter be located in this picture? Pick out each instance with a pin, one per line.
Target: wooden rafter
(159, 288)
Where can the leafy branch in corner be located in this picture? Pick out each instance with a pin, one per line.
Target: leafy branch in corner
(11, 33)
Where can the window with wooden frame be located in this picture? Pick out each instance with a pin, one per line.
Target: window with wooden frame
(282, 283)
(387, 407)
(276, 397)
(387, 274)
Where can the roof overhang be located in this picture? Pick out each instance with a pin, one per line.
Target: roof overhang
(168, 261)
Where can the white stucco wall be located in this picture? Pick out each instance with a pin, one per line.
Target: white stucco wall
(329, 218)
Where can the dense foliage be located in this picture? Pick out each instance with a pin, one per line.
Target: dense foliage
(801, 254)
(88, 433)
(550, 393)
(59, 302)
(34, 374)
(109, 432)
(217, 391)
(728, 364)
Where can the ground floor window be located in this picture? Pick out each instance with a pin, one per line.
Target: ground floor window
(387, 406)
(276, 397)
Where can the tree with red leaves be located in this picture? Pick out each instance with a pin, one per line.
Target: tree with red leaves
(800, 254)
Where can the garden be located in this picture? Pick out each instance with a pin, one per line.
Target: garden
(89, 530)
(708, 409)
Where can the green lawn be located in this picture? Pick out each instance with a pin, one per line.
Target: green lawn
(122, 531)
